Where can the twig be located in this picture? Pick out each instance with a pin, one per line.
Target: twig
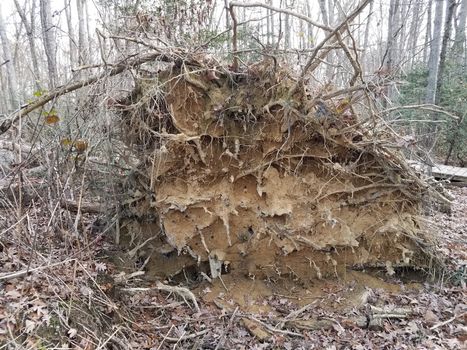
(189, 336)
(220, 343)
(26, 272)
(427, 107)
(448, 321)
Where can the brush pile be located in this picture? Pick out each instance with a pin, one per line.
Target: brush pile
(254, 173)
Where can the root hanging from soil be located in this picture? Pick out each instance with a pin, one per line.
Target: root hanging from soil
(236, 172)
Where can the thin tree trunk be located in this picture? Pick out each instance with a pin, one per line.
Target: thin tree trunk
(32, 45)
(458, 47)
(428, 34)
(450, 9)
(10, 67)
(48, 33)
(71, 33)
(309, 38)
(88, 32)
(433, 62)
(367, 34)
(82, 55)
(413, 31)
(324, 11)
(393, 27)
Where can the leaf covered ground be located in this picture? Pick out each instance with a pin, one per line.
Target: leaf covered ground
(75, 297)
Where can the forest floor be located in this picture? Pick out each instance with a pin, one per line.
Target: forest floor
(74, 297)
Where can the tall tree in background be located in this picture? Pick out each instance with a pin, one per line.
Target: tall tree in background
(71, 33)
(49, 40)
(450, 10)
(413, 31)
(82, 45)
(458, 47)
(30, 29)
(393, 31)
(428, 32)
(8, 63)
(433, 62)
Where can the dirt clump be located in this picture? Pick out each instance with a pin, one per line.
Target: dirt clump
(245, 173)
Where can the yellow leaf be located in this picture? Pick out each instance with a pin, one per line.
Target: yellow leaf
(66, 142)
(343, 105)
(51, 119)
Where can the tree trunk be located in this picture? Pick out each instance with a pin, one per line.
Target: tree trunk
(309, 37)
(413, 31)
(49, 40)
(32, 45)
(82, 56)
(428, 34)
(433, 62)
(71, 33)
(367, 34)
(393, 27)
(10, 67)
(458, 47)
(450, 9)
(324, 12)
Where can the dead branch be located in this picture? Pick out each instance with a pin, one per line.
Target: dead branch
(312, 62)
(280, 10)
(234, 38)
(62, 90)
(426, 107)
(74, 206)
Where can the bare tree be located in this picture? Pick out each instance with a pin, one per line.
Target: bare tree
(49, 40)
(10, 68)
(29, 26)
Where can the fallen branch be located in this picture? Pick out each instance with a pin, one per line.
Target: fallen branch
(448, 321)
(184, 293)
(29, 271)
(426, 107)
(73, 206)
(62, 90)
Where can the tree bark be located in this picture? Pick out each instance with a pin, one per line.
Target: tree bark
(458, 47)
(428, 34)
(413, 31)
(367, 34)
(82, 55)
(10, 67)
(393, 27)
(450, 9)
(71, 33)
(433, 62)
(49, 40)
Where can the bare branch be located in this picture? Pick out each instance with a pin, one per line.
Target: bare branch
(62, 90)
(285, 11)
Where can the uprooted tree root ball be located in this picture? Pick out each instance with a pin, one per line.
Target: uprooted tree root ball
(252, 174)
